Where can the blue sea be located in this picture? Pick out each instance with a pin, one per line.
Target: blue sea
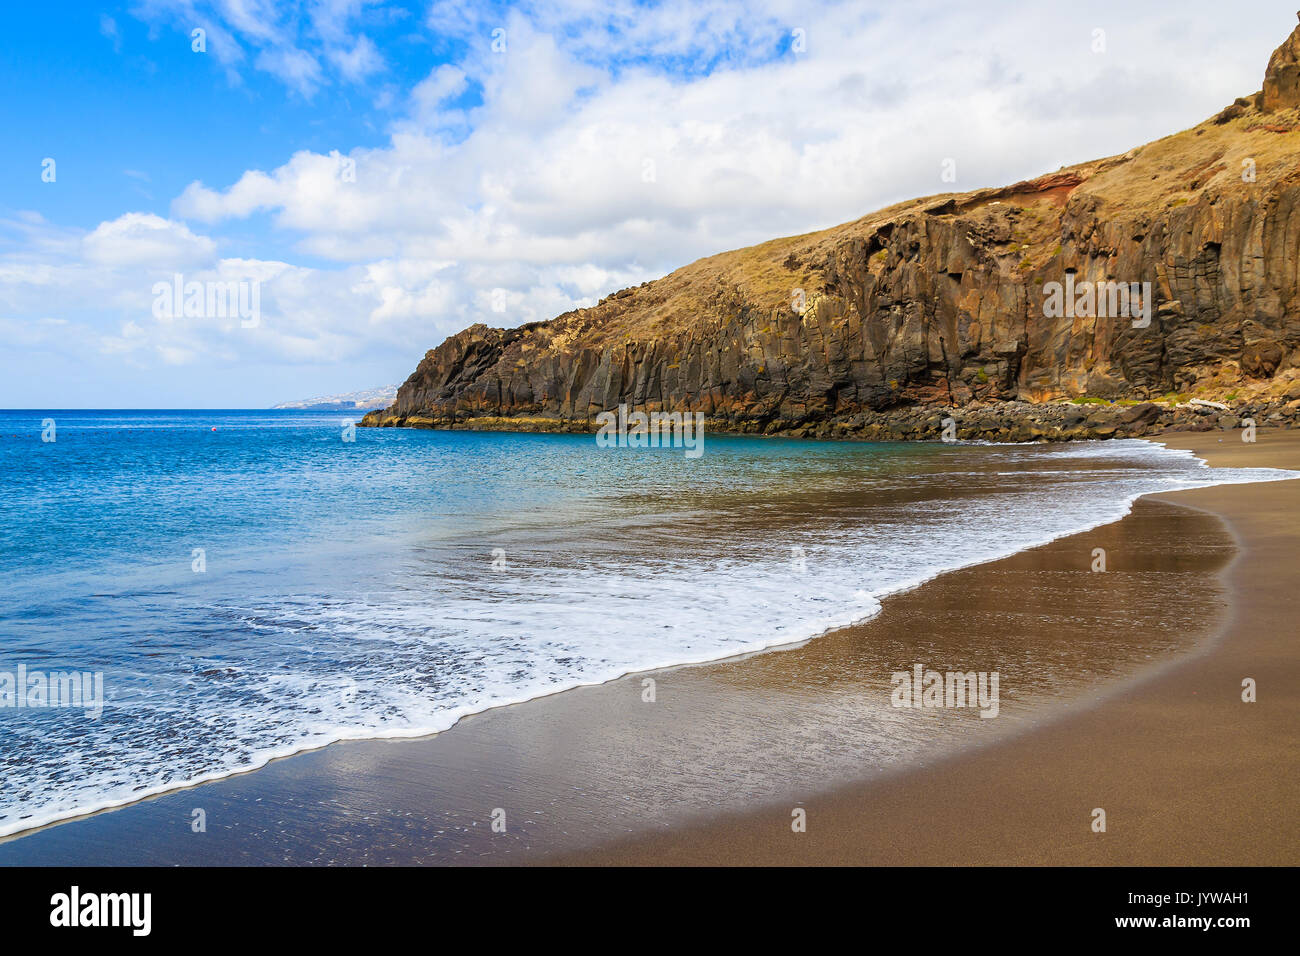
(255, 583)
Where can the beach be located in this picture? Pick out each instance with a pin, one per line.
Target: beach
(1119, 690)
(1187, 772)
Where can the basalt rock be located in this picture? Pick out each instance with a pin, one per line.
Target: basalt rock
(940, 307)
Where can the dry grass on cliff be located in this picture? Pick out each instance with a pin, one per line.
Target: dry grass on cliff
(1207, 159)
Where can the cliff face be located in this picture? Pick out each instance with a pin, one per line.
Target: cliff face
(940, 302)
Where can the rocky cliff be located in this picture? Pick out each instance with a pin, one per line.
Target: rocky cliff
(871, 327)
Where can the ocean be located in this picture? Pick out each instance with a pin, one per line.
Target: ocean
(250, 584)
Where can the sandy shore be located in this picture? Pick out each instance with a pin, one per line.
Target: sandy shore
(1186, 771)
(1119, 690)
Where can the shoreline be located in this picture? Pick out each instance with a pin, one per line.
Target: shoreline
(262, 760)
(1006, 421)
(1188, 772)
(252, 779)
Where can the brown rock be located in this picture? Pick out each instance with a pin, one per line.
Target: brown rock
(1282, 78)
(1231, 112)
(1142, 414)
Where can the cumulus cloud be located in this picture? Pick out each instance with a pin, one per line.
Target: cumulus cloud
(145, 239)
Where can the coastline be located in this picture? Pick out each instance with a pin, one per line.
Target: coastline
(1001, 421)
(411, 774)
(1188, 773)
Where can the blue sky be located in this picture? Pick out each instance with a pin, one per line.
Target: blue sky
(387, 174)
(133, 115)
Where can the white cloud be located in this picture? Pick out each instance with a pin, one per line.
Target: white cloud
(137, 239)
(296, 68)
(288, 45)
(359, 62)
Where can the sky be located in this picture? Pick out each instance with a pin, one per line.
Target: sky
(373, 177)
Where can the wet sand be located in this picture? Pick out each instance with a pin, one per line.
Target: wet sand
(1187, 772)
(1096, 709)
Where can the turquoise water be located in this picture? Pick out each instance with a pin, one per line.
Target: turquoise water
(250, 584)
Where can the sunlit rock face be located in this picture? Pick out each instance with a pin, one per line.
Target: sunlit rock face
(1282, 78)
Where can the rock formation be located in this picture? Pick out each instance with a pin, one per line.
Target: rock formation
(943, 303)
(1282, 78)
